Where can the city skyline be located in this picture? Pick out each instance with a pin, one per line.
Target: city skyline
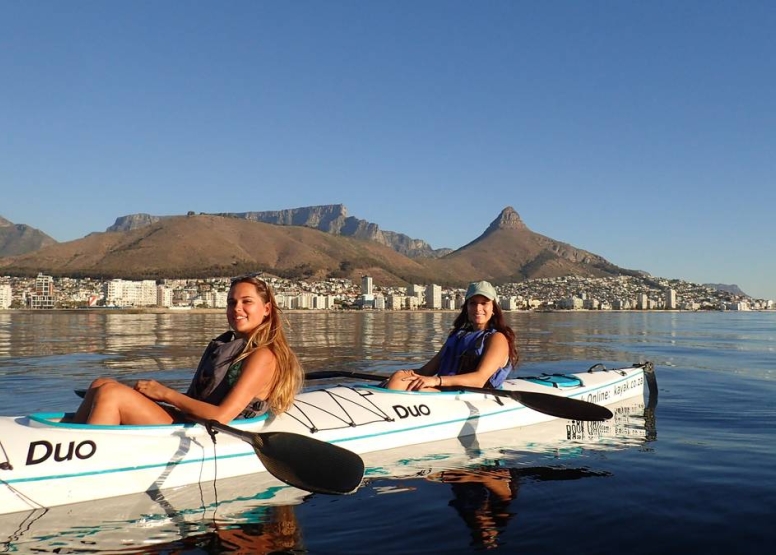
(563, 293)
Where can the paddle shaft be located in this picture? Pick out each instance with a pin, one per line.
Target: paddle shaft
(554, 405)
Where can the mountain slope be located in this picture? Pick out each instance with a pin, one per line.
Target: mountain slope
(20, 238)
(195, 246)
(510, 252)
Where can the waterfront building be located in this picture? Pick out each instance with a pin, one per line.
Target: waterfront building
(43, 297)
(283, 301)
(508, 303)
(366, 285)
(323, 302)
(122, 293)
(434, 297)
(147, 293)
(394, 302)
(163, 296)
(417, 291)
(571, 303)
(6, 295)
(670, 300)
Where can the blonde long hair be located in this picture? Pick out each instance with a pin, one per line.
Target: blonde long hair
(288, 377)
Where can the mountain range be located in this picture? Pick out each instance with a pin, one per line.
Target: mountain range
(305, 243)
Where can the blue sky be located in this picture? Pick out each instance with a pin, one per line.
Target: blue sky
(644, 132)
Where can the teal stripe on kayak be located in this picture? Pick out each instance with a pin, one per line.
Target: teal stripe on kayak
(123, 469)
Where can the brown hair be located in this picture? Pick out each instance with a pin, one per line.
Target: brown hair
(288, 377)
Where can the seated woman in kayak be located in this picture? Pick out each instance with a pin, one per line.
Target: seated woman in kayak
(243, 372)
(479, 352)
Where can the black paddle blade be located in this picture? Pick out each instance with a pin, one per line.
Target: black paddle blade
(562, 407)
(309, 464)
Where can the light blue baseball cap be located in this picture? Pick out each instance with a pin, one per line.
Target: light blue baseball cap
(483, 288)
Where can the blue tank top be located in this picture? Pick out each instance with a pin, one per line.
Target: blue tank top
(462, 353)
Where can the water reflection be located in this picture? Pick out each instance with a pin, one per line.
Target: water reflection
(273, 529)
(482, 496)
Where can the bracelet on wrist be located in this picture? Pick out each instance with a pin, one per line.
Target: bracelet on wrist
(440, 381)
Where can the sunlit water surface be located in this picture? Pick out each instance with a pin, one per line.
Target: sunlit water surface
(695, 474)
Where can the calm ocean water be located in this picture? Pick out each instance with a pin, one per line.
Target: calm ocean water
(694, 473)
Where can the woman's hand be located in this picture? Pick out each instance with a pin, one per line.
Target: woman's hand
(152, 389)
(416, 382)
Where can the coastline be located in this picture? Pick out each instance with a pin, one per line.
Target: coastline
(188, 310)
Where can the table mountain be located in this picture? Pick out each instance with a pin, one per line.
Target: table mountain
(329, 218)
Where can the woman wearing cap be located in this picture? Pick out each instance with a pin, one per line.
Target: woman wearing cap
(243, 372)
(479, 352)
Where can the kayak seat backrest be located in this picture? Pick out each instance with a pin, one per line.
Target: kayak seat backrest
(555, 380)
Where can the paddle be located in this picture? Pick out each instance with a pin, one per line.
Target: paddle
(554, 405)
(301, 461)
(298, 460)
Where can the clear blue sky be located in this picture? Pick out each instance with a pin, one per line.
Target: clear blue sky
(644, 132)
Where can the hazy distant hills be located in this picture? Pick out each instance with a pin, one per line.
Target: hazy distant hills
(732, 289)
(20, 238)
(143, 246)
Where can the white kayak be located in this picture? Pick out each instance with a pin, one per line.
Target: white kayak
(47, 463)
(553, 450)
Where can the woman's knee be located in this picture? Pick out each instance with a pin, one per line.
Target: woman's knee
(99, 382)
(111, 390)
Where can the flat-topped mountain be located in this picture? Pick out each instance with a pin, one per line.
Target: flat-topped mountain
(329, 218)
(20, 238)
(217, 245)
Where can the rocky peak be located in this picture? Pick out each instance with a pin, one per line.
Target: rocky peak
(508, 219)
(4, 222)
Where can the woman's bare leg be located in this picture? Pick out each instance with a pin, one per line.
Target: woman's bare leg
(114, 403)
(85, 408)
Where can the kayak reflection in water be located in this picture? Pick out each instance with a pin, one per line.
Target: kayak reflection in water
(482, 496)
(279, 533)
(273, 529)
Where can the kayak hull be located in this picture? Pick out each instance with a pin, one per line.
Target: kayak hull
(45, 463)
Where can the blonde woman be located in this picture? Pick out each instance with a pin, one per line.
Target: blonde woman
(244, 372)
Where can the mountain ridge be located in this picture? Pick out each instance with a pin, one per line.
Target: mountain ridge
(205, 244)
(329, 218)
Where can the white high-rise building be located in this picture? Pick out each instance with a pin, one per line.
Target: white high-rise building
(147, 295)
(6, 295)
(434, 297)
(163, 296)
(366, 285)
(671, 300)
